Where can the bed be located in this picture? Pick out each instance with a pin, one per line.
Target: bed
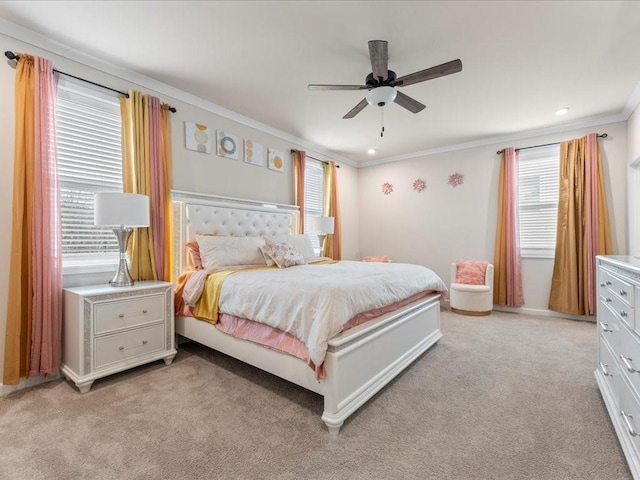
(358, 362)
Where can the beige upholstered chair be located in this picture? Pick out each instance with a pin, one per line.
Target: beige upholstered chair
(471, 299)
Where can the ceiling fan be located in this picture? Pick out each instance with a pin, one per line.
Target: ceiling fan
(381, 83)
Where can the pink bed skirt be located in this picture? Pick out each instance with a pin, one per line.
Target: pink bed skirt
(284, 342)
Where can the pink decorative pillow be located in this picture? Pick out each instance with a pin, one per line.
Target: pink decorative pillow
(194, 250)
(470, 272)
(284, 255)
(382, 259)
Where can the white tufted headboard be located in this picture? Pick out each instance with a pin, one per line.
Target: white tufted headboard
(195, 213)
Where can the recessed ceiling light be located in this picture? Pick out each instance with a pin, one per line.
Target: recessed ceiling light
(562, 111)
(371, 151)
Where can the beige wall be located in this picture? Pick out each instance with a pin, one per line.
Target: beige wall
(444, 224)
(193, 171)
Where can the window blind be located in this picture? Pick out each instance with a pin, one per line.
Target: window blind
(313, 197)
(89, 145)
(538, 184)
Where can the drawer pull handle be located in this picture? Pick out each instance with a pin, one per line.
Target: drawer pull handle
(602, 285)
(144, 342)
(605, 372)
(144, 311)
(120, 348)
(605, 327)
(608, 300)
(608, 282)
(121, 315)
(623, 293)
(626, 417)
(627, 364)
(623, 314)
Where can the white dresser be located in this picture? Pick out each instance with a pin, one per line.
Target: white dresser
(109, 329)
(618, 369)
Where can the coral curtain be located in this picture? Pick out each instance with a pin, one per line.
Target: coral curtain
(333, 242)
(507, 279)
(147, 162)
(299, 165)
(583, 229)
(34, 316)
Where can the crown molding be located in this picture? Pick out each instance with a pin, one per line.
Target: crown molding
(45, 43)
(588, 122)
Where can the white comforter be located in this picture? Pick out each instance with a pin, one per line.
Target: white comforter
(313, 302)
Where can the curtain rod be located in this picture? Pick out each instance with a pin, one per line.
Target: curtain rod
(499, 152)
(12, 56)
(314, 158)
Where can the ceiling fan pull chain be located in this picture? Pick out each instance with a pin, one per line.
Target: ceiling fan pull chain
(382, 122)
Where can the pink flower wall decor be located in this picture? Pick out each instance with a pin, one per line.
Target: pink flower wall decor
(419, 185)
(387, 188)
(455, 179)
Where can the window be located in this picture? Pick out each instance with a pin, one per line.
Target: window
(538, 182)
(88, 136)
(313, 197)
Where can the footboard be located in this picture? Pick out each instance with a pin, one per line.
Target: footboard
(364, 359)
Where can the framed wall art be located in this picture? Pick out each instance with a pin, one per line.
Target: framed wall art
(227, 145)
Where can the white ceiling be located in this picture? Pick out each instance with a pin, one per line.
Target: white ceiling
(521, 62)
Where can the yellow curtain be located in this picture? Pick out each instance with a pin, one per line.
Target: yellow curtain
(583, 229)
(17, 350)
(168, 185)
(137, 178)
(299, 164)
(333, 242)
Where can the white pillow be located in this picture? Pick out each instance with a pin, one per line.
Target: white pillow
(302, 244)
(224, 251)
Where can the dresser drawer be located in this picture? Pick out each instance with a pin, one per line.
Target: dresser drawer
(629, 414)
(609, 326)
(120, 314)
(608, 367)
(620, 287)
(119, 347)
(621, 308)
(628, 357)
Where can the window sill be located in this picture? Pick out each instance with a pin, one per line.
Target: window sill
(80, 268)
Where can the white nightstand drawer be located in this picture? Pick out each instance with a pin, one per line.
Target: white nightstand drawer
(123, 346)
(121, 314)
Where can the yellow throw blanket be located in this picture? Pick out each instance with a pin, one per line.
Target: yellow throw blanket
(207, 307)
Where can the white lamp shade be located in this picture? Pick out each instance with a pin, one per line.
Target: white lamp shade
(381, 96)
(322, 225)
(121, 209)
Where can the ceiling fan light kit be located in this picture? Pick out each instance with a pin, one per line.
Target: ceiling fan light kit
(381, 96)
(381, 83)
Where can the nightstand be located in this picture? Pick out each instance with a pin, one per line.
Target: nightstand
(110, 329)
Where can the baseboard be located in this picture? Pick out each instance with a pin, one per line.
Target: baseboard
(536, 311)
(27, 383)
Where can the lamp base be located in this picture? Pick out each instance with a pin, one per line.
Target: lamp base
(321, 238)
(122, 278)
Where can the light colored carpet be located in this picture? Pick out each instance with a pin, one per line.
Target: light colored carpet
(500, 397)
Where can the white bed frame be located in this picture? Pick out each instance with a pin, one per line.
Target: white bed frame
(359, 362)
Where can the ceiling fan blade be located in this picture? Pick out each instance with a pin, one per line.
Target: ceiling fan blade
(357, 109)
(337, 87)
(448, 68)
(379, 55)
(409, 103)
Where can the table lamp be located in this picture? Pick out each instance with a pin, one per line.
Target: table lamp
(121, 211)
(322, 226)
